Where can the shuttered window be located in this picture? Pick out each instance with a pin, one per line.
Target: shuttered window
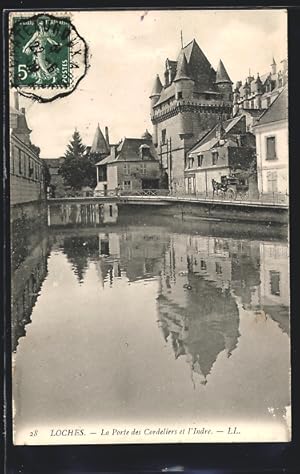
(271, 148)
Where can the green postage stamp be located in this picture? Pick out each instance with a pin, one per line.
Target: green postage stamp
(48, 57)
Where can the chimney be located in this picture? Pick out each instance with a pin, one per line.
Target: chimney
(113, 149)
(16, 100)
(106, 135)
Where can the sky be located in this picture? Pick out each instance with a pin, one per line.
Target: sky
(126, 51)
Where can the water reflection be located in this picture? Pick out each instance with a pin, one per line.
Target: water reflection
(29, 268)
(76, 214)
(179, 316)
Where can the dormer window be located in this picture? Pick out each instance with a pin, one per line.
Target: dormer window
(179, 95)
(145, 152)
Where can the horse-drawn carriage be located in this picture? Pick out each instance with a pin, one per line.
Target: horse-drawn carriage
(233, 186)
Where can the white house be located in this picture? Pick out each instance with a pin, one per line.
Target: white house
(272, 148)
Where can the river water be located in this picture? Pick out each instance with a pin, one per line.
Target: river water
(151, 323)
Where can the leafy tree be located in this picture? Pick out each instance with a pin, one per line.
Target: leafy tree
(78, 169)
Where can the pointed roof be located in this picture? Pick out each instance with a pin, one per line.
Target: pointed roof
(193, 51)
(222, 75)
(211, 139)
(277, 111)
(157, 87)
(129, 150)
(99, 145)
(147, 135)
(199, 68)
(182, 68)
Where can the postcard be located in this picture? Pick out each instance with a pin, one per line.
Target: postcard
(149, 214)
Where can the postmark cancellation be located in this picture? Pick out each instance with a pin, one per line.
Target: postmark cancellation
(48, 57)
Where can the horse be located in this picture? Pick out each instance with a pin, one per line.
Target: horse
(217, 186)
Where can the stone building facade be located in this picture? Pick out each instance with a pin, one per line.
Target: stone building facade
(185, 107)
(227, 149)
(272, 145)
(260, 92)
(132, 165)
(26, 168)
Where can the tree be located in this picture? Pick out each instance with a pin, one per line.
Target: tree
(75, 148)
(77, 170)
(47, 175)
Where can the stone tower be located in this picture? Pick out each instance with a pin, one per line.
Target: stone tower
(186, 106)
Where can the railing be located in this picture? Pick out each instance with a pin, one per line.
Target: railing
(279, 199)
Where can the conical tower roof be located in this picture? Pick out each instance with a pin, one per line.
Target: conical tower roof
(99, 145)
(222, 75)
(157, 87)
(182, 68)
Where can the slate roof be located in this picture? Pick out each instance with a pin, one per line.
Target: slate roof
(277, 111)
(210, 140)
(99, 145)
(129, 150)
(182, 68)
(222, 75)
(157, 87)
(192, 63)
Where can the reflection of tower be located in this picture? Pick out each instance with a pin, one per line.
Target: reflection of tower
(196, 315)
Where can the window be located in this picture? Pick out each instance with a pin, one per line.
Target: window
(271, 148)
(110, 210)
(200, 160)
(163, 136)
(179, 95)
(215, 156)
(12, 160)
(203, 265)
(275, 283)
(272, 182)
(127, 168)
(126, 185)
(20, 161)
(191, 162)
(219, 270)
(191, 185)
(145, 152)
(102, 173)
(143, 168)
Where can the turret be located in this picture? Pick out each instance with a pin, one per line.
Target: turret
(20, 127)
(156, 90)
(223, 81)
(256, 88)
(273, 67)
(99, 146)
(184, 84)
